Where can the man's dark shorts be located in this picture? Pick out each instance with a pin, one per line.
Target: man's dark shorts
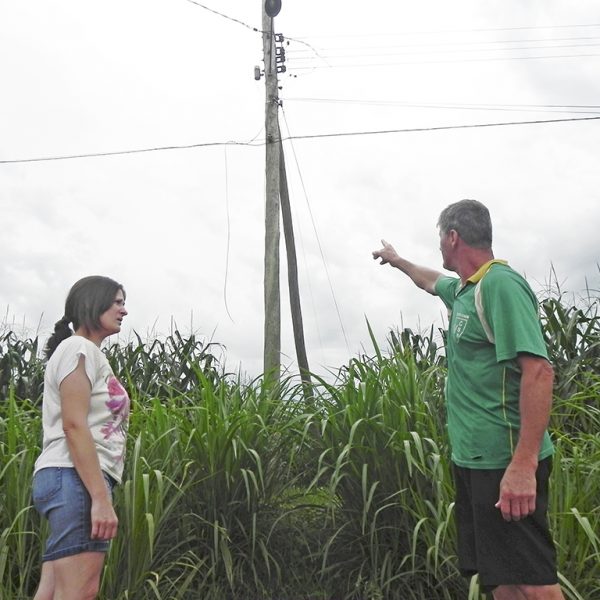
(502, 552)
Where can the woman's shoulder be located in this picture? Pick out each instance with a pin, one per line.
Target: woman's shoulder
(67, 355)
(75, 344)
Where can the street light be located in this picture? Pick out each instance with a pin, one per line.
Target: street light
(272, 7)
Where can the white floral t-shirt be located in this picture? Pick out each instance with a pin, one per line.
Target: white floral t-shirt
(108, 414)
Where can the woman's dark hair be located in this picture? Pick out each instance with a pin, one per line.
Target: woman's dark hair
(87, 300)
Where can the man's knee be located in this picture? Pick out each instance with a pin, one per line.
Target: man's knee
(542, 592)
(508, 592)
(528, 592)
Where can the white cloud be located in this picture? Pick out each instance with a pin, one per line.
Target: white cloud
(79, 78)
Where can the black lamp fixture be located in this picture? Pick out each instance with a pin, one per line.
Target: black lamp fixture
(272, 7)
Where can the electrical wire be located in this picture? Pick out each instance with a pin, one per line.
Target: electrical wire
(301, 137)
(335, 302)
(309, 281)
(307, 271)
(439, 128)
(255, 29)
(553, 108)
(297, 59)
(228, 236)
(381, 34)
(216, 12)
(293, 51)
(440, 62)
(443, 105)
(360, 52)
(122, 152)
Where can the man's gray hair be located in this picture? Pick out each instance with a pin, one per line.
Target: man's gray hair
(471, 220)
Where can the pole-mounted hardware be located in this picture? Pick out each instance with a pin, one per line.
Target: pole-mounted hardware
(272, 7)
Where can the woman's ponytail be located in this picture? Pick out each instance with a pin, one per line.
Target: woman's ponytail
(61, 332)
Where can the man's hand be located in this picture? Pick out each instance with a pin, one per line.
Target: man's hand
(422, 277)
(387, 254)
(517, 492)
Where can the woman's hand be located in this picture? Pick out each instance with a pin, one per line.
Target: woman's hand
(104, 520)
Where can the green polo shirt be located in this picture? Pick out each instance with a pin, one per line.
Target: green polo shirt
(482, 388)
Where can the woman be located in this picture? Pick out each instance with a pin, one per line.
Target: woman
(84, 415)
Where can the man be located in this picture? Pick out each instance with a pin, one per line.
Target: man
(498, 400)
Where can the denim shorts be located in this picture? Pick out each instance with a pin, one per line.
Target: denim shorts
(60, 496)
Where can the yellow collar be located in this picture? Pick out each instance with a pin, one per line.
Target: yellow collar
(478, 275)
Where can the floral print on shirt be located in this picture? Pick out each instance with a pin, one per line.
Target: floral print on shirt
(119, 408)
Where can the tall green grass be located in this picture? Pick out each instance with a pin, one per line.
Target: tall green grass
(241, 490)
(575, 520)
(382, 457)
(173, 365)
(21, 367)
(20, 426)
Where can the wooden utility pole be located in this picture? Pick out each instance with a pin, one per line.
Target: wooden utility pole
(277, 197)
(272, 330)
(292, 267)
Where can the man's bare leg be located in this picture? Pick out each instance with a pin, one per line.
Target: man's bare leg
(528, 592)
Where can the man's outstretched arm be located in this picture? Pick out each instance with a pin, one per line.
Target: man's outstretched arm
(422, 277)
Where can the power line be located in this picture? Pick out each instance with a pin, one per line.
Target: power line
(301, 137)
(570, 109)
(136, 151)
(335, 303)
(439, 128)
(359, 52)
(434, 62)
(216, 12)
(356, 55)
(435, 105)
(228, 236)
(293, 51)
(255, 29)
(381, 34)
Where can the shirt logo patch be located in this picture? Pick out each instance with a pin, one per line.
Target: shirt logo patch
(461, 324)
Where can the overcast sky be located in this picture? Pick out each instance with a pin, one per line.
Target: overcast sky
(183, 230)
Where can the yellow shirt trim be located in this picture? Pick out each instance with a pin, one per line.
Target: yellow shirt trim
(478, 275)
